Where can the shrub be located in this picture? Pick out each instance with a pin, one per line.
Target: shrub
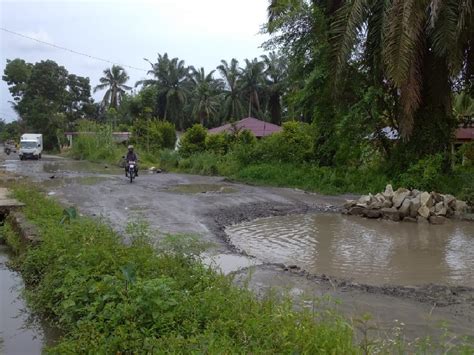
(245, 137)
(218, 143)
(424, 174)
(293, 144)
(153, 135)
(193, 140)
(168, 134)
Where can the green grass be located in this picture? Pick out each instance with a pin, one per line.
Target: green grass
(108, 298)
(312, 178)
(304, 176)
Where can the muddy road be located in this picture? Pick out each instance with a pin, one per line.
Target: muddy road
(178, 203)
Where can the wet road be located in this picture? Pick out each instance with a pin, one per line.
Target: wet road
(170, 203)
(179, 203)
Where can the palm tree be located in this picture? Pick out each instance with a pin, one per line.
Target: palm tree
(417, 46)
(275, 76)
(114, 80)
(204, 94)
(252, 84)
(230, 73)
(171, 78)
(463, 108)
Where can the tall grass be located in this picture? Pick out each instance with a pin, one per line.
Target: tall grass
(96, 144)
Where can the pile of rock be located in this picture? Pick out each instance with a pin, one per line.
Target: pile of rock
(407, 205)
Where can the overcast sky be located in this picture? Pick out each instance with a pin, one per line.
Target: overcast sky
(126, 31)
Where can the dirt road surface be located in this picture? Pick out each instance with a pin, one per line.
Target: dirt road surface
(201, 205)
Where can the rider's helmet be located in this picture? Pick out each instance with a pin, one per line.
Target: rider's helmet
(130, 148)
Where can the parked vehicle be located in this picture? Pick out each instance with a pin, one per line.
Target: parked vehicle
(31, 146)
(9, 147)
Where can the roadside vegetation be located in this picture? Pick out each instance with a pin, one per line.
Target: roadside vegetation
(108, 297)
(287, 159)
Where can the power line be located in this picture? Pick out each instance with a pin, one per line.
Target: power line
(71, 50)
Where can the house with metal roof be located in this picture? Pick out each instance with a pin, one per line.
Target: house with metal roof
(258, 127)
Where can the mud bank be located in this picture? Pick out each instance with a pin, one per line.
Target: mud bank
(416, 313)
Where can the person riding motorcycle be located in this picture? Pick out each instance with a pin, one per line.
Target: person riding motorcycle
(131, 156)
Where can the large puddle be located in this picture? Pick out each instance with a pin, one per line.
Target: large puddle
(367, 251)
(19, 334)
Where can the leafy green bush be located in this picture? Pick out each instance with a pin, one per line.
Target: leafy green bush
(292, 144)
(153, 135)
(245, 136)
(193, 140)
(424, 174)
(168, 133)
(218, 143)
(107, 297)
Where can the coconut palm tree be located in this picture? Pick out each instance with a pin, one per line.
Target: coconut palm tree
(171, 78)
(233, 108)
(417, 46)
(252, 84)
(114, 80)
(204, 95)
(275, 80)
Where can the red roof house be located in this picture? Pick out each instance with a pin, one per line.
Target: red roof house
(257, 127)
(465, 134)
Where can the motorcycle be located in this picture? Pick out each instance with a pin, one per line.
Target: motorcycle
(131, 170)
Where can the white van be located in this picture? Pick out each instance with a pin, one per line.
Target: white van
(31, 146)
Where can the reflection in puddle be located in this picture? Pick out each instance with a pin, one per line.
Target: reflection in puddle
(368, 251)
(17, 336)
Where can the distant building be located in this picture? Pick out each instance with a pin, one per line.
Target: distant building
(257, 127)
(119, 137)
(464, 135)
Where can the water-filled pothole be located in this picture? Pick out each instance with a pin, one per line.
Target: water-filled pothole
(367, 251)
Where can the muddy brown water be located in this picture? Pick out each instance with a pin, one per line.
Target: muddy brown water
(366, 251)
(19, 333)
